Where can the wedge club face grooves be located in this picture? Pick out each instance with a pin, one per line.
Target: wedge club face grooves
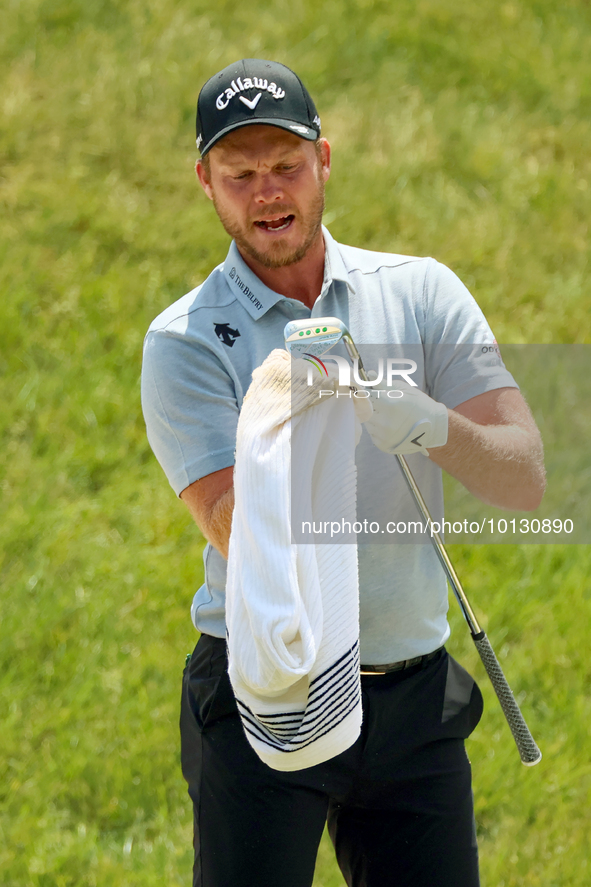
(314, 335)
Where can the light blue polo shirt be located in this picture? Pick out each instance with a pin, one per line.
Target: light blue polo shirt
(199, 355)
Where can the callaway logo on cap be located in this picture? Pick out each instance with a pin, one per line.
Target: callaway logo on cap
(254, 91)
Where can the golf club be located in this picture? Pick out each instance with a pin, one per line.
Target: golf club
(314, 337)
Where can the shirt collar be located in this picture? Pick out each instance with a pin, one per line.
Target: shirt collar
(257, 298)
(334, 265)
(246, 286)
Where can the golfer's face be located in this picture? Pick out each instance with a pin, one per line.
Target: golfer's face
(268, 189)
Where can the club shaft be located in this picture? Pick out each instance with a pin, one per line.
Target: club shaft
(439, 547)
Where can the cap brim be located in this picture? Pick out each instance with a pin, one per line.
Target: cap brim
(298, 129)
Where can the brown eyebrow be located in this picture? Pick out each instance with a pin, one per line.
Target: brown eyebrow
(245, 165)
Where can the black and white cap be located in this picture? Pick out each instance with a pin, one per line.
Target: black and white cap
(254, 91)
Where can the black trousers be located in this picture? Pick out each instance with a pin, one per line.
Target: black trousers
(398, 802)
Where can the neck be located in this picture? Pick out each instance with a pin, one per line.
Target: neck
(301, 281)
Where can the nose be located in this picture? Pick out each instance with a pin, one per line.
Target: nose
(269, 189)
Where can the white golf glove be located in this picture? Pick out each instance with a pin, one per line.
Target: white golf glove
(406, 421)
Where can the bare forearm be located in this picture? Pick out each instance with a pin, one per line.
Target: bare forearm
(503, 465)
(211, 503)
(220, 522)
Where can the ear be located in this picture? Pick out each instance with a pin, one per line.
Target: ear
(204, 179)
(325, 158)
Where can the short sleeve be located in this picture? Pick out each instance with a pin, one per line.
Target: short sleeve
(190, 408)
(462, 357)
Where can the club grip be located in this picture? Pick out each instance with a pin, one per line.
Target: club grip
(528, 750)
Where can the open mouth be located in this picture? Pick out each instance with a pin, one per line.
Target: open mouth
(279, 224)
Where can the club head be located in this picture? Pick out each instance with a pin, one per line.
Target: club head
(313, 336)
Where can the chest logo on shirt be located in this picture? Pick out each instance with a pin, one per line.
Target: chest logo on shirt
(226, 334)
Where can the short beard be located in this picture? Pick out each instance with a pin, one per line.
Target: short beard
(312, 227)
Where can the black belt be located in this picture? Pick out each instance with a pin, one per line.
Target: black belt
(399, 666)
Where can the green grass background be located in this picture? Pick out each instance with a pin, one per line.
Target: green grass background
(460, 130)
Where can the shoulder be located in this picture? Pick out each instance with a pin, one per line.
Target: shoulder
(429, 271)
(212, 293)
(367, 261)
(428, 279)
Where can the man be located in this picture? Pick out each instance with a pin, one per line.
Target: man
(398, 802)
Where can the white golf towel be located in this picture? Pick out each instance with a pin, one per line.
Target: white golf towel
(293, 610)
